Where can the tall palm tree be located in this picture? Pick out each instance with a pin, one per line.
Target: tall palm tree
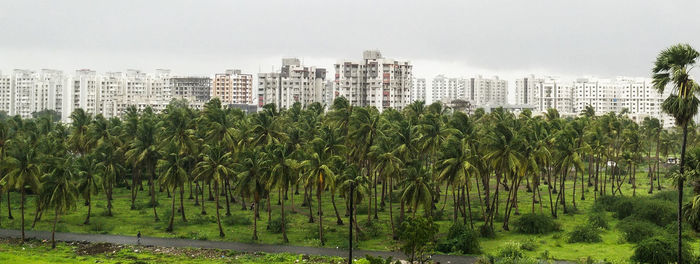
(672, 68)
(252, 169)
(417, 187)
(172, 176)
(319, 175)
(282, 168)
(60, 184)
(143, 152)
(216, 166)
(23, 170)
(90, 181)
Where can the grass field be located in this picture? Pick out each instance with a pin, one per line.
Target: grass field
(238, 227)
(41, 252)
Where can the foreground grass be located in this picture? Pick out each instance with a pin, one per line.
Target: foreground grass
(239, 227)
(41, 252)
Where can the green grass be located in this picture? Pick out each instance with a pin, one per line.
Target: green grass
(300, 232)
(41, 252)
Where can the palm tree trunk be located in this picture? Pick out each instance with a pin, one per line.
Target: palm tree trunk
(182, 202)
(37, 211)
(391, 210)
(469, 204)
(335, 208)
(269, 211)
(53, 230)
(375, 196)
(109, 199)
(218, 216)
(284, 223)
(481, 202)
(573, 191)
(201, 192)
(134, 191)
(153, 195)
(196, 193)
(680, 195)
(21, 203)
(89, 204)
(320, 216)
(658, 174)
(255, 219)
(172, 212)
(228, 206)
(309, 203)
(9, 206)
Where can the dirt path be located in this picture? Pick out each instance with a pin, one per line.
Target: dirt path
(240, 247)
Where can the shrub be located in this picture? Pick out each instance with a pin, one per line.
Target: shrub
(671, 196)
(535, 224)
(460, 239)
(486, 230)
(658, 250)
(598, 220)
(529, 244)
(624, 207)
(380, 260)
(659, 212)
(585, 234)
(438, 215)
(510, 250)
(635, 230)
(371, 229)
(237, 220)
(417, 236)
(607, 202)
(276, 225)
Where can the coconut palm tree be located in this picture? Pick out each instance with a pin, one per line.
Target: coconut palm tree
(282, 167)
(90, 180)
(672, 68)
(60, 184)
(251, 179)
(143, 152)
(319, 175)
(23, 170)
(172, 175)
(216, 166)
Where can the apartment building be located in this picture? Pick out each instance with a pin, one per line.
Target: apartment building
(293, 83)
(191, 88)
(374, 81)
(419, 90)
(233, 87)
(5, 93)
(447, 89)
(480, 91)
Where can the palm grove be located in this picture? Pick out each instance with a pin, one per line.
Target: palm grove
(470, 167)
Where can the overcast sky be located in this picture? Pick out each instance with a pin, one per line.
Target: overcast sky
(458, 38)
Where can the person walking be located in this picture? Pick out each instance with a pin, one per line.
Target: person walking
(138, 237)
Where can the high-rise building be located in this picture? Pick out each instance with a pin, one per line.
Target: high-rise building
(293, 83)
(191, 88)
(22, 92)
(525, 90)
(419, 90)
(374, 81)
(480, 91)
(233, 87)
(5, 93)
(49, 91)
(447, 89)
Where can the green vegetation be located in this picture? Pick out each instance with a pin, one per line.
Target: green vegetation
(289, 176)
(39, 252)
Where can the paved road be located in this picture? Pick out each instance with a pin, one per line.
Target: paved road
(239, 247)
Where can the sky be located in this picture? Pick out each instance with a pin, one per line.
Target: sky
(455, 38)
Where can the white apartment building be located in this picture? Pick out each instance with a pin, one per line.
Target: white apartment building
(233, 87)
(447, 89)
(419, 90)
(5, 93)
(571, 98)
(293, 83)
(22, 89)
(374, 81)
(480, 91)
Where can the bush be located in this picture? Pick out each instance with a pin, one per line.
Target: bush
(671, 196)
(460, 239)
(370, 229)
(585, 234)
(380, 260)
(237, 220)
(486, 230)
(598, 220)
(624, 207)
(438, 215)
(635, 230)
(659, 250)
(659, 212)
(276, 225)
(529, 244)
(510, 250)
(535, 224)
(203, 219)
(607, 202)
